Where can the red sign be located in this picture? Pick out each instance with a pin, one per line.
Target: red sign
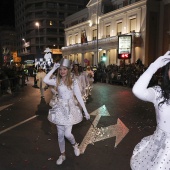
(124, 56)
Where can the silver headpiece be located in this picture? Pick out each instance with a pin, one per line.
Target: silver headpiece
(65, 62)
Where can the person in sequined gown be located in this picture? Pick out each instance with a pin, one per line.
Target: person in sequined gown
(39, 78)
(153, 152)
(77, 73)
(90, 77)
(65, 113)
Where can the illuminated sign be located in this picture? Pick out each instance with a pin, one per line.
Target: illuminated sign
(56, 51)
(124, 46)
(103, 58)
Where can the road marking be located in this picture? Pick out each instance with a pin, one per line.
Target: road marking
(5, 106)
(119, 130)
(12, 127)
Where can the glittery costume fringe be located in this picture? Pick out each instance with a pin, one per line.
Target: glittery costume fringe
(65, 112)
(153, 152)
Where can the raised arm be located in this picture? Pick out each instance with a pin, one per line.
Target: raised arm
(47, 78)
(140, 89)
(78, 95)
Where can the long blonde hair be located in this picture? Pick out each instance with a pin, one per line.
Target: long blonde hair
(68, 82)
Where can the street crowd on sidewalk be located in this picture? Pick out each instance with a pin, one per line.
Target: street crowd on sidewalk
(125, 75)
(12, 77)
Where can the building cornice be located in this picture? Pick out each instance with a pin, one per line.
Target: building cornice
(83, 24)
(128, 8)
(93, 2)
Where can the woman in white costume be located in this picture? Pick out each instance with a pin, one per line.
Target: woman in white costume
(90, 77)
(153, 152)
(39, 78)
(78, 74)
(65, 113)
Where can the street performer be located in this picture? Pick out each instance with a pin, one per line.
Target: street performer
(65, 113)
(153, 152)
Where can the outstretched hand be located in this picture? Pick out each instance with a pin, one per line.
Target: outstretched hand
(56, 65)
(163, 60)
(87, 116)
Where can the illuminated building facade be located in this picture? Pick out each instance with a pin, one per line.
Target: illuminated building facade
(94, 31)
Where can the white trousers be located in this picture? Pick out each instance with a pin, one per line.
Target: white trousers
(65, 131)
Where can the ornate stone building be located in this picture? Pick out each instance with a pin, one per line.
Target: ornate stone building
(93, 32)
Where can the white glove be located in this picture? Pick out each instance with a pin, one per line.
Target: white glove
(56, 65)
(162, 61)
(87, 116)
(53, 91)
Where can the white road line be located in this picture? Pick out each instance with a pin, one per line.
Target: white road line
(4, 107)
(12, 127)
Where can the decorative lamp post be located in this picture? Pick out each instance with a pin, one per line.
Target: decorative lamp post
(38, 58)
(25, 49)
(97, 12)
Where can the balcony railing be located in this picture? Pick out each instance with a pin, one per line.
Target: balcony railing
(91, 43)
(136, 38)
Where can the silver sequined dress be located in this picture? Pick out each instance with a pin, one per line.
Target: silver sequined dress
(66, 111)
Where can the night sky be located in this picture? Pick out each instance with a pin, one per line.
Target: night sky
(7, 13)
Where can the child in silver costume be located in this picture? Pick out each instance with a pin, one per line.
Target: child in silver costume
(65, 113)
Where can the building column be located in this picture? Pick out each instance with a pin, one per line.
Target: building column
(108, 57)
(133, 57)
(82, 59)
(95, 61)
(74, 57)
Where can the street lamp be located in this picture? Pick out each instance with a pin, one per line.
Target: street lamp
(23, 40)
(37, 24)
(25, 49)
(97, 12)
(100, 49)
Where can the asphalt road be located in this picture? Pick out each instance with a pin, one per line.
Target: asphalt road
(28, 141)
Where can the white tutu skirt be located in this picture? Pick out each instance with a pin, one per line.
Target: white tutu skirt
(152, 153)
(65, 112)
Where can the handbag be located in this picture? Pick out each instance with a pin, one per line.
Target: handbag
(53, 101)
(51, 116)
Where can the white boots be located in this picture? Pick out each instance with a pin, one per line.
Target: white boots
(76, 149)
(62, 158)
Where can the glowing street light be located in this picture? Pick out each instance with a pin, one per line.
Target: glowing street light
(24, 45)
(37, 24)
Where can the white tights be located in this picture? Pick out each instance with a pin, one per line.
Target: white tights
(65, 131)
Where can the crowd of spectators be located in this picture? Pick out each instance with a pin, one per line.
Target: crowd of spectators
(125, 75)
(12, 77)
